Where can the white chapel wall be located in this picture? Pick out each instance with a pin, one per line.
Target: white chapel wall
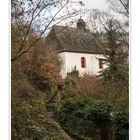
(72, 59)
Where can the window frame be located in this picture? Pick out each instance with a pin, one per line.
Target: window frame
(83, 62)
(101, 63)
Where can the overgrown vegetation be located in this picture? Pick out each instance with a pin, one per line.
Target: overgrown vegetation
(103, 109)
(91, 119)
(90, 107)
(35, 67)
(97, 89)
(34, 82)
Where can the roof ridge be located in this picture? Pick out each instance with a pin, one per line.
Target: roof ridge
(64, 26)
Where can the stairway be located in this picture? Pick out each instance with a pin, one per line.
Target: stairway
(51, 106)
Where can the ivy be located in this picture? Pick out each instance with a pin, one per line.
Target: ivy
(120, 122)
(83, 117)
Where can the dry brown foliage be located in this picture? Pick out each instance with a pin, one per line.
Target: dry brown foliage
(44, 65)
(96, 88)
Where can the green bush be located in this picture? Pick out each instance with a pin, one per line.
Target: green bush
(120, 123)
(83, 117)
(71, 112)
(71, 105)
(87, 109)
(99, 111)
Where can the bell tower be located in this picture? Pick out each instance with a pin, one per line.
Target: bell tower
(81, 24)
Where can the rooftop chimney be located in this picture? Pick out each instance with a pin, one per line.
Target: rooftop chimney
(81, 24)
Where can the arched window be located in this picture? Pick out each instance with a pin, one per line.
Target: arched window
(101, 63)
(83, 62)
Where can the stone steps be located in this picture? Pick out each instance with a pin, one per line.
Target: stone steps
(51, 114)
(51, 107)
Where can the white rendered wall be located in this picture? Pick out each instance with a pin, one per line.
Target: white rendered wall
(71, 59)
(63, 66)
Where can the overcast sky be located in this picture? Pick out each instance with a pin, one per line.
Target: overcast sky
(100, 4)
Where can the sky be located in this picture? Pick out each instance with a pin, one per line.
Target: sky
(99, 4)
(89, 4)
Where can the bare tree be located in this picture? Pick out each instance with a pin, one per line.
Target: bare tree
(120, 6)
(31, 20)
(98, 23)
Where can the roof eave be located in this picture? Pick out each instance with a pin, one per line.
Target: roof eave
(92, 52)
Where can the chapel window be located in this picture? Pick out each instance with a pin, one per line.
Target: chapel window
(83, 62)
(101, 63)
